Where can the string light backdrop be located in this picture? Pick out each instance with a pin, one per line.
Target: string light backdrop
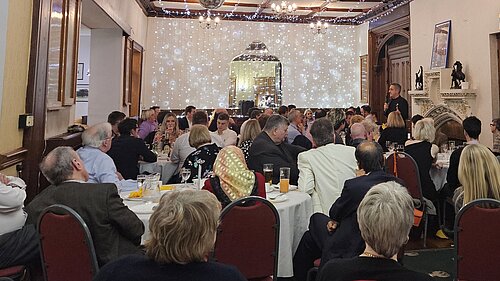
(188, 65)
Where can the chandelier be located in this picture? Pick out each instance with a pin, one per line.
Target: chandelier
(208, 22)
(318, 28)
(284, 8)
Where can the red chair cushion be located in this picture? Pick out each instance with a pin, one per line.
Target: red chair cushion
(12, 271)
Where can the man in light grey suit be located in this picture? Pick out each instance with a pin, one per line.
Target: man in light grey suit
(323, 170)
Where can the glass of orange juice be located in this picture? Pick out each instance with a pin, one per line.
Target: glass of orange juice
(284, 179)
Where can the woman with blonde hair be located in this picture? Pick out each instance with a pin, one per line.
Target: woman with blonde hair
(424, 152)
(395, 130)
(479, 174)
(183, 229)
(233, 179)
(169, 131)
(247, 135)
(204, 155)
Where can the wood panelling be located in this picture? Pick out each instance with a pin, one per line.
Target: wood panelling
(12, 158)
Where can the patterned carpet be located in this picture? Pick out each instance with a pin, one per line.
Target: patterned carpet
(437, 262)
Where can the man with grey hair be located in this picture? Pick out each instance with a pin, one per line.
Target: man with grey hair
(269, 148)
(96, 142)
(296, 127)
(324, 170)
(385, 217)
(115, 230)
(337, 235)
(358, 134)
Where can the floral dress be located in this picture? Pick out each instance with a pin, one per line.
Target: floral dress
(205, 156)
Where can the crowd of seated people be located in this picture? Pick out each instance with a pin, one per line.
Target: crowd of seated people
(342, 163)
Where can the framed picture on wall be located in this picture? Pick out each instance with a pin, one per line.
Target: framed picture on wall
(440, 45)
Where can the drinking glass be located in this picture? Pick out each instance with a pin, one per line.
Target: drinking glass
(390, 146)
(140, 181)
(451, 146)
(185, 174)
(284, 179)
(400, 147)
(268, 175)
(444, 148)
(151, 191)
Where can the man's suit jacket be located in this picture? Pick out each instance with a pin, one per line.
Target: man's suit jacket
(323, 171)
(115, 230)
(125, 152)
(183, 123)
(346, 241)
(265, 151)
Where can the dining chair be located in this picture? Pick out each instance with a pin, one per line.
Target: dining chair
(248, 238)
(476, 240)
(403, 166)
(66, 246)
(17, 272)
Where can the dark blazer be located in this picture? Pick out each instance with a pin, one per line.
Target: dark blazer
(115, 230)
(126, 151)
(398, 103)
(452, 175)
(346, 241)
(183, 123)
(399, 135)
(265, 151)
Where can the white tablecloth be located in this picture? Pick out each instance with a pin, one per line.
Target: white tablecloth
(294, 220)
(164, 167)
(438, 175)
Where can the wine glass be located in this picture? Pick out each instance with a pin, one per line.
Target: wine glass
(390, 146)
(185, 174)
(451, 145)
(444, 148)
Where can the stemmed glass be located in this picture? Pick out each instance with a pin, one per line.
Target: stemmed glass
(451, 145)
(390, 146)
(444, 148)
(185, 174)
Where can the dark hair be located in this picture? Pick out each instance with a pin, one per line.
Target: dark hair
(115, 117)
(291, 106)
(350, 113)
(322, 132)
(472, 126)
(254, 113)
(126, 126)
(370, 156)
(416, 118)
(319, 113)
(154, 107)
(398, 87)
(250, 110)
(162, 116)
(366, 108)
(282, 109)
(189, 108)
(496, 122)
(223, 116)
(263, 120)
(274, 122)
(200, 117)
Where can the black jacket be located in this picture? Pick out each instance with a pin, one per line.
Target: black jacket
(126, 151)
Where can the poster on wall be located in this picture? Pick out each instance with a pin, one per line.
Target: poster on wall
(440, 45)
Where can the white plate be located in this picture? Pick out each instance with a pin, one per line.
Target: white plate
(290, 188)
(124, 196)
(146, 208)
(279, 199)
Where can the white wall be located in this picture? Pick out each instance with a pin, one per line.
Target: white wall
(105, 91)
(472, 23)
(81, 105)
(4, 10)
(185, 64)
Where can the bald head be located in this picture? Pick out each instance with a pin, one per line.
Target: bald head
(358, 131)
(62, 164)
(370, 156)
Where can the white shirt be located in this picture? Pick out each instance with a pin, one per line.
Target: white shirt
(182, 149)
(12, 215)
(102, 169)
(323, 171)
(228, 136)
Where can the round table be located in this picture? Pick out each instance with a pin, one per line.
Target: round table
(164, 167)
(294, 215)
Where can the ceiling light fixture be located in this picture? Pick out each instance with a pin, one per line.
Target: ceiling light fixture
(318, 28)
(208, 22)
(284, 8)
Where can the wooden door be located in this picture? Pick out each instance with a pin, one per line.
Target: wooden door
(135, 80)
